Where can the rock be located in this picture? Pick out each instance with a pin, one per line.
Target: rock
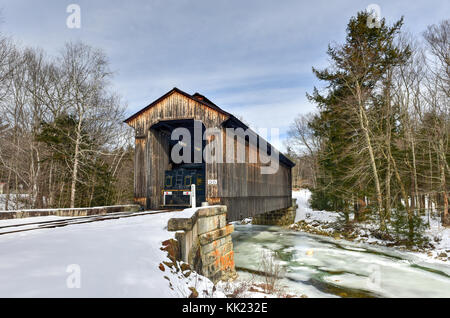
(187, 274)
(294, 226)
(169, 264)
(246, 221)
(185, 267)
(161, 267)
(443, 255)
(194, 292)
(172, 248)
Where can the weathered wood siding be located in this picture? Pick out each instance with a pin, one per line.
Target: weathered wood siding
(241, 186)
(153, 146)
(158, 156)
(140, 167)
(247, 192)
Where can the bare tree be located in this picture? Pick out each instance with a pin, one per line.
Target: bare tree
(438, 40)
(85, 72)
(39, 154)
(303, 142)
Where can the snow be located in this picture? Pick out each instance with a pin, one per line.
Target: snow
(440, 237)
(324, 221)
(322, 266)
(116, 258)
(304, 211)
(15, 201)
(122, 257)
(35, 219)
(19, 207)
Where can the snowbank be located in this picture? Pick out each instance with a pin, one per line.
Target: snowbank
(116, 258)
(323, 221)
(16, 201)
(304, 211)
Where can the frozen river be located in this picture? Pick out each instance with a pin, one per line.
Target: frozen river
(324, 267)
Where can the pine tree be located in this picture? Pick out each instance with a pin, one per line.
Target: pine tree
(349, 107)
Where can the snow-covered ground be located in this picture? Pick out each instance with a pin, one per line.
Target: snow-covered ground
(440, 237)
(123, 257)
(322, 222)
(15, 201)
(304, 211)
(113, 258)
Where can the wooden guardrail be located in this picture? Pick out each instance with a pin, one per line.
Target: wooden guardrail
(18, 214)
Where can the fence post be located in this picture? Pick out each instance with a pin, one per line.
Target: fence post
(193, 196)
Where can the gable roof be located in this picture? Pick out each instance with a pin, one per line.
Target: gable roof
(196, 97)
(232, 120)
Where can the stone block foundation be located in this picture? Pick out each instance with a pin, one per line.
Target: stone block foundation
(205, 242)
(281, 217)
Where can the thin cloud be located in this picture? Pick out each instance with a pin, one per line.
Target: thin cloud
(251, 57)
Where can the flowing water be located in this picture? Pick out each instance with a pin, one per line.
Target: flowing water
(319, 266)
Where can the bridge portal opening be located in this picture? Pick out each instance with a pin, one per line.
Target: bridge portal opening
(184, 144)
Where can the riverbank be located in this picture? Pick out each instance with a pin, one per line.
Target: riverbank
(318, 266)
(321, 258)
(326, 223)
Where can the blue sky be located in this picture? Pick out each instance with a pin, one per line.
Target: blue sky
(251, 57)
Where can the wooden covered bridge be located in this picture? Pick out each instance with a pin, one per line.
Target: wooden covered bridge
(239, 185)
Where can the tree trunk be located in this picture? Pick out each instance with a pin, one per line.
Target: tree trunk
(416, 187)
(8, 191)
(445, 215)
(75, 166)
(50, 186)
(388, 190)
(405, 198)
(388, 144)
(364, 123)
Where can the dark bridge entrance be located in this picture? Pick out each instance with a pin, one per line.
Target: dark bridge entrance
(189, 169)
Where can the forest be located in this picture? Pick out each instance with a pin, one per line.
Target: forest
(62, 140)
(377, 148)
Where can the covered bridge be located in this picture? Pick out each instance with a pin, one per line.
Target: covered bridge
(240, 185)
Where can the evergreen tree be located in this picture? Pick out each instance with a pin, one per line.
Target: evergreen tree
(351, 158)
(96, 182)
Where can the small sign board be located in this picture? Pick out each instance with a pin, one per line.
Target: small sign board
(212, 181)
